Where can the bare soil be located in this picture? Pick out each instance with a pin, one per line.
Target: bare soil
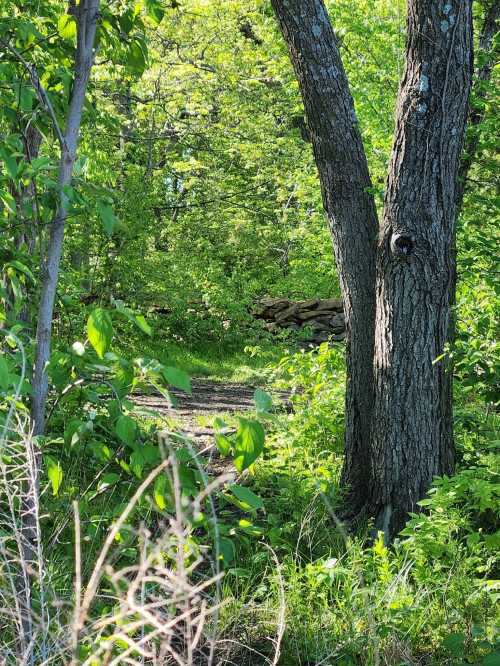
(208, 400)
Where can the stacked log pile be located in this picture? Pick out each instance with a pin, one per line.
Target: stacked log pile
(324, 318)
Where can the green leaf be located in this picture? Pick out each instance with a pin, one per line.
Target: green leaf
(9, 202)
(55, 474)
(454, 644)
(21, 268)
(107, 216)
(248, 499)
(162, 492)
(227, 550)
(26, 96)
(249, 528)
(223, 444)
(249, 443)
(136, 58)
(492, 659)
(10, 163)
(5, 378)
(108, 480)
(126, 430)
(66, 26)
(123, 378)
(138, 320)
(177, 378)
(154, 10)
(72, 432)
(263, 400)
(137, 463)
(100, 331)
(143, 324)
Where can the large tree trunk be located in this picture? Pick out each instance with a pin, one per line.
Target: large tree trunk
(412, 419)
(345, 183)
(398, 443)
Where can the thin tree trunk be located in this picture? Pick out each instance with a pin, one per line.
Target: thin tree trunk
(86, 14)
(350, 207)
(86, 19)
(412, 418)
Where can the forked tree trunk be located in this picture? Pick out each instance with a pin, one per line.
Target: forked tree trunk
(398, 443)
(349, 204)
(412, 438)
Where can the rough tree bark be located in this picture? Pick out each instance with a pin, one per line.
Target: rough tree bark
(350, 208)
(407, 430)
(412, 438)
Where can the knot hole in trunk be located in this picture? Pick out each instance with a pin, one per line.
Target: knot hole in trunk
(402, 245)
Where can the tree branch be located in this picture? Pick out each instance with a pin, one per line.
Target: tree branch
(40, 91)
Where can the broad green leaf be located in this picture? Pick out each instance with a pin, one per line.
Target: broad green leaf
(492, 659)
(454, 643)
(143, 324)
(136, 58)
(263, 400)
(40, 163)
(26, 96)
(10, 163)
(9, 202)
(223, 443)
(108, 480)
(249, 443)
(138, 320)
(66, 26)
(77, 431)
(137, 463)
(100, 331)
(249, 528)
(107, 216)
(162, 492)
(55, 474)
(5, 378)
(247, 497)
(21, 268)
(154, 10)
(126, 429)
(123, 378)
(126, 21)
(177, 378)
(227, 550)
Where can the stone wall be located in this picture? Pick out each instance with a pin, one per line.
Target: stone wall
(324, 317)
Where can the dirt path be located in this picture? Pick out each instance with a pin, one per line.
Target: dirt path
(195, 413)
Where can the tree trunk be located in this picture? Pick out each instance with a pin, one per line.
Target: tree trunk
(86, 15)
(398, 406)
(350, 207)
(412, 420)
(86, 19)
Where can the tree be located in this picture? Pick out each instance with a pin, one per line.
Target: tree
(397, 277)
(86, 15)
